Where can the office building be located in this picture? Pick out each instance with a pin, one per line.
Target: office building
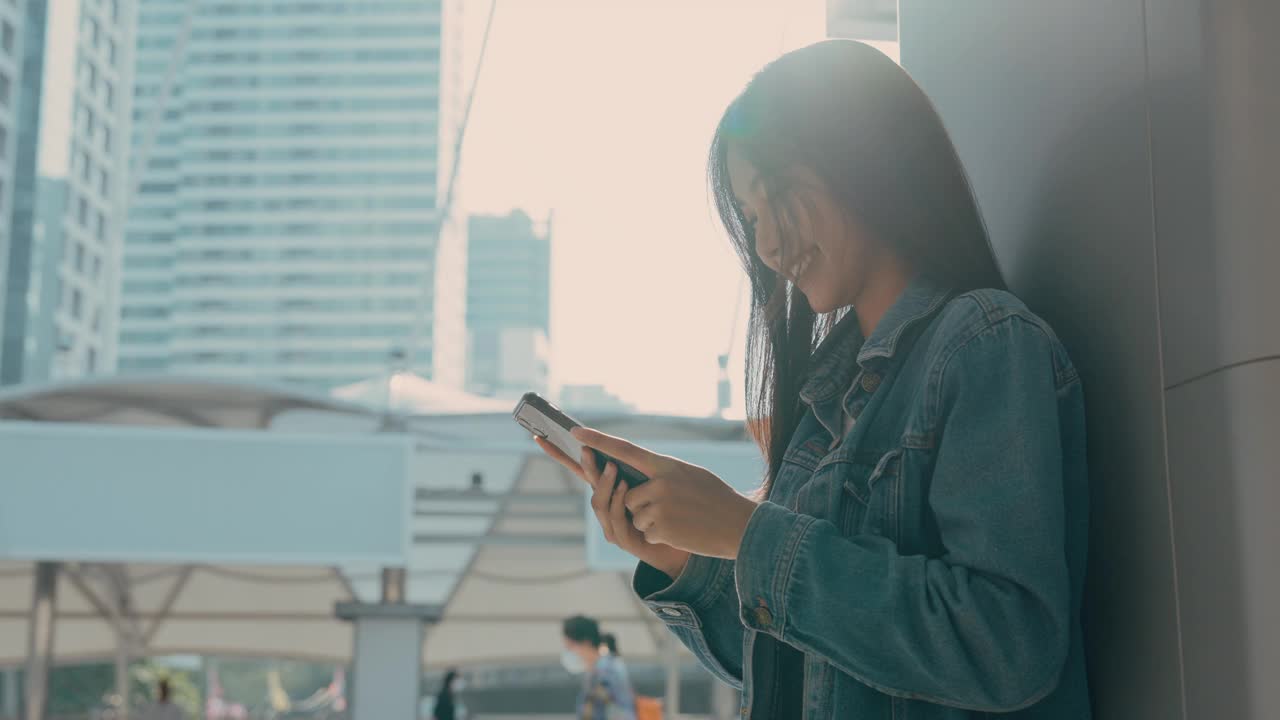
(291, 160)
(508, 304)
(64, 122)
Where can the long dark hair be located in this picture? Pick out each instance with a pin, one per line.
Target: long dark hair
(857, 120)
(582, 629)
(446, 685)
(609, 641)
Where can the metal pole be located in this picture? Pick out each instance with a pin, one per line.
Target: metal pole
(122, 674)
(671, 660)
(11, 694)
(393, 590)
(40, 639)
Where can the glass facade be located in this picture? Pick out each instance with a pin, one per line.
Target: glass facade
(286, 223)
(64, 223)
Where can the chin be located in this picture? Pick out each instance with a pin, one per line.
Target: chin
(821, 304)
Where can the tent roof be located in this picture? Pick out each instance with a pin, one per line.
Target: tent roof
(413, 394)
(151, 400)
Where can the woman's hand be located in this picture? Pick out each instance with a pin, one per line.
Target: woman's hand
(612, 513)
(682, 505)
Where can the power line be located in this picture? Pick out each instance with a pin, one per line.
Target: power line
(446, 209)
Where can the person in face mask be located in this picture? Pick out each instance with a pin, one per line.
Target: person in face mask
(447, 706)
(606, 690)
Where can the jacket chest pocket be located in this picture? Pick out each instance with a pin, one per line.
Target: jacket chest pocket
(866, 493)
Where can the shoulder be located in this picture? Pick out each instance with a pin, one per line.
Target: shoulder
(995, 327)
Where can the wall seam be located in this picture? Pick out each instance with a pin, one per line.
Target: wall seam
(1160, 365)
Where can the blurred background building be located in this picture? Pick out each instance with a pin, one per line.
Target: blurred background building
(508, 304)
(592, 399)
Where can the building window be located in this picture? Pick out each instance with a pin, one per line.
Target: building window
(95, 31)
(115, 11)
(5, 89)
(79, 258)
(106, 139)
(82, 213)
(86, 169)
(102, 227)
(109, 95)
(90, 360)
(97, 267)
(111, 52)
(8, 37)
(89, 123)
(77, 303)
(104, 183)
(4, 141)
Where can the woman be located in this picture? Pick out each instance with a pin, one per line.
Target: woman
(918, 547)
(447, 706)
(606, 688)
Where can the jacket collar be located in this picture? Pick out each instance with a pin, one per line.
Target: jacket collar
(832, 372)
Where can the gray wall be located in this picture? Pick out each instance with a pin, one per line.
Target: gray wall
(1126, 158)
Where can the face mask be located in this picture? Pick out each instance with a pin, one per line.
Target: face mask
(571, 662)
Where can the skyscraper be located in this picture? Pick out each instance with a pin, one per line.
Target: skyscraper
(290, 159)
(11, 23)
(64, 115)
(508, 304)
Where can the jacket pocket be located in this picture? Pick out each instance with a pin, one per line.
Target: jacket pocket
(872, 495)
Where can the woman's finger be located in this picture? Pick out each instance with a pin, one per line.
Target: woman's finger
(590, 470)
(618, 510)
(637, 457)
(644, 521)
(558, 455)
(602, 500)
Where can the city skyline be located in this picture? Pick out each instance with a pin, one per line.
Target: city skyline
(626, 186)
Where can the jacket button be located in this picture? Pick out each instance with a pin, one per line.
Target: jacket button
(670, 612)
(764, 618)
(870, 381)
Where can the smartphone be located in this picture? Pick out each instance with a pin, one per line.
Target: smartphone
(535, 414)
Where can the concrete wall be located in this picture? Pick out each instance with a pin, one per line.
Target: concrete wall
(1126, 160)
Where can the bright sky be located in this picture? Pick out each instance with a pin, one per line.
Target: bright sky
(603, 111)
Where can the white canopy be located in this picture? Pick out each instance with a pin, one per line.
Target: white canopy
(498, 540)
(406, 392)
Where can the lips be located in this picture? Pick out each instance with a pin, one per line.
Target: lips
(800, 264)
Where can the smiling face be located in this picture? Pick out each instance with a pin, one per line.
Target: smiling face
(815, 244)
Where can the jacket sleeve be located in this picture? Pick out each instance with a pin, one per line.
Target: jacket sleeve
(701, 609)
(985, 626)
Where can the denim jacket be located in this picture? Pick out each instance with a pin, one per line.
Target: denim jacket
(928, 563)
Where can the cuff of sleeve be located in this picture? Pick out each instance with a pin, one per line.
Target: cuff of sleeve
(698, 586)
(762, 571)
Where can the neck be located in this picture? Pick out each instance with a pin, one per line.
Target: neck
(883, 289)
